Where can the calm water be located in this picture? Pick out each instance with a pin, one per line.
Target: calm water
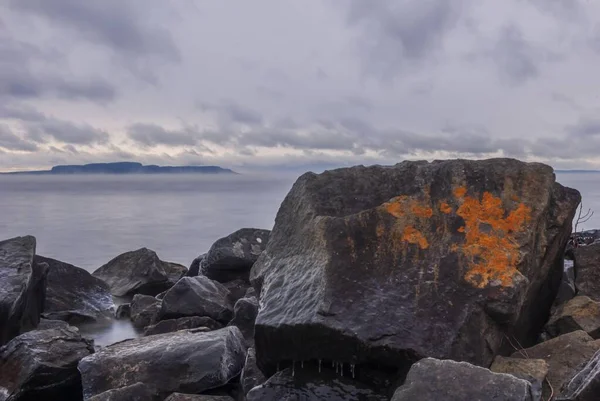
(88, 220)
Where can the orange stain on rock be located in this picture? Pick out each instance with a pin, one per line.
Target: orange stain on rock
(414, 236)
(395, 207)
(421, 211)
(460, 192)
(445, 207)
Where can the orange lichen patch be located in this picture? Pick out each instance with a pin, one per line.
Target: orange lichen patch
(492, 253)
(414, 236)
(395, 207)
(461, 229)
(460, 192)
(445, 207)
(514, 198)
(380, 230)
(421, 211)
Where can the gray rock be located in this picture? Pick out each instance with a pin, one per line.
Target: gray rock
(567, 290)
(390, 264)
(183, 323)
(174, 362)
(197, 296)
(580, 313)
(237, 289)
(244, 316)
(46, 324)
(123, 311)
(305, 385)
(42, 365)
(532, 370)
(585, 385)
(251, 375)
(74, 295)
(139, 272)
(195, 397)
(433, 380)
(144, 310)
(232, 257)
(587, 271)
(22, 287)
(135, 392)
(565, 356)
(194, 268)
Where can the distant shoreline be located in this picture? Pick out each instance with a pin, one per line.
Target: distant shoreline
(124, 168)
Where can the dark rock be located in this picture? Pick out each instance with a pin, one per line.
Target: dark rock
(139, 272)
(194, 397)
(305, 385)
(183, 323)
(587, 271)
(42, 365)
(565, 356)
(232, 257)
(244, 316)
(567, 290)
(123, 311)
(390, 264)
(184, 361)
(135, 392)
(532, 370)
(251, 292)
(251, 375)
(432, 380)
(46, 324)
(74, 295)
(22, 287)
(237, 289)
(197, 296)
(580, 313)
(144, 310)
(585, 385)
(194, 269)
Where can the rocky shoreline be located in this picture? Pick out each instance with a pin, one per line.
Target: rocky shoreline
(419, 281)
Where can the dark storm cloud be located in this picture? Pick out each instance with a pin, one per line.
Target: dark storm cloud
(397, 32)
(10, 141)
(153, 135)
(113, 23)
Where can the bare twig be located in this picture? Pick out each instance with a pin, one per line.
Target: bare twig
(551, 390)
(519, 350)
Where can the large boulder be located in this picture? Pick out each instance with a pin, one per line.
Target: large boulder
(74, 295)
(565, 355)
(183, 323)
(194, 268)
(390, 264)
(184, 361)
(135, 392)
(305, 385)
(587, 271)
(432, 380)
(585, 385)
(580, 313)
(139, 272)
(22, 287)
(197, 296)
(42, 365)
(144, 310)
(232, 257)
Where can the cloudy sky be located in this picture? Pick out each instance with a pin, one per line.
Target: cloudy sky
(296, 83)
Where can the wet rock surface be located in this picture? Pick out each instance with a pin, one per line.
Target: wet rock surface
(232, 257)
(123, 311)
(144, 310)
(251, 375)
(184, 361)
(192, 397)
(135, 392)
(565, 356)
(139, 272)
(433, 380)
(390, 264)
(197, 296)
(308, 385)
(580, 313)
(73, 294)
(183, 323)
(22, 287)
(42, 365)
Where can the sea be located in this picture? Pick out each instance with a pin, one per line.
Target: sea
(88, 220)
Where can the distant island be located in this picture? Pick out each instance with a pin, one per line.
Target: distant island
(127, 168)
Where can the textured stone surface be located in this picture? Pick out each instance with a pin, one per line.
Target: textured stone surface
(194, 268)
(305, 385)
(22, 287)
(251, 375)
(244, 316)
(585, 385)
(565, 356)
(232, 257)
(123, 311)
(74, 295)
(587, 271)
(197, 296)
(193, 397)
(580, 313)
(139, 272)
(144, 310)
(42, 365)
(433, 380)
(184, 361)
(390, 264)
(135, 392)
(237, 289)
(183, 323)
(532, 370)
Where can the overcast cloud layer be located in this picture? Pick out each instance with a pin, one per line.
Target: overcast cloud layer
(298, 84)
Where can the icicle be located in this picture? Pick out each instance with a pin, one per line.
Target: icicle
(342, 368)
(319, 366)
(293, 368)
(352, 367)
(302, 364)
(332, 364)
(336, 368)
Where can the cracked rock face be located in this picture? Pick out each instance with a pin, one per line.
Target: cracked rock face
(392, 264)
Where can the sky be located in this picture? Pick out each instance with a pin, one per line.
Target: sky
(295, 84)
